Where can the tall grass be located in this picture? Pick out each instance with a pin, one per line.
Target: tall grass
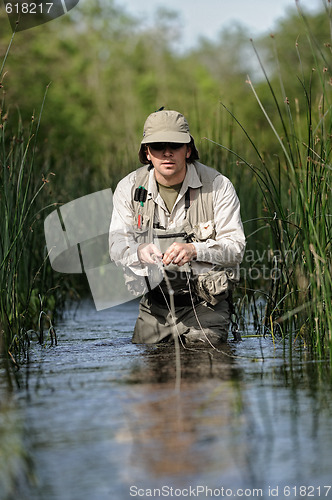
(296, 192)
(21, 241)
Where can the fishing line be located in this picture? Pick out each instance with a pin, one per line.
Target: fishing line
(170, 291)
(233, 356)
(202, 329)
(174, 326)
(199, 323)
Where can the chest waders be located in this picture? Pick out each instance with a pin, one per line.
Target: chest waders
(177, 276)
(155, 322)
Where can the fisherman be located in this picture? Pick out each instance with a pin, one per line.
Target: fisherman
(176, 230)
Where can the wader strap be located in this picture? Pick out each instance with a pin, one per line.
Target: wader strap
(170, 235)
(148, 283)
(187, 201)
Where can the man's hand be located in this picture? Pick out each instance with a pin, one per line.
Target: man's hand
(148, 253)
(179, 253)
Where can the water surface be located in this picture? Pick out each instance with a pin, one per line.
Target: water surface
(99, 417)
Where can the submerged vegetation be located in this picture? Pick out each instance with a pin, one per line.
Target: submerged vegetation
(269, 132)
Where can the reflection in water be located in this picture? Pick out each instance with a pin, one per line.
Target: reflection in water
(237, 421)
(101, 414)
(197, 364)
(15, 464)
(165, 426)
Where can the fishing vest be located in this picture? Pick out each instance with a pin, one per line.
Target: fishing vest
(199, 206)
(198, 226)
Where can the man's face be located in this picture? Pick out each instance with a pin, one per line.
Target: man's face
(169, 161)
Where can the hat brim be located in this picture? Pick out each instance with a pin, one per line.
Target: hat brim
(142, 151)
(179, 137)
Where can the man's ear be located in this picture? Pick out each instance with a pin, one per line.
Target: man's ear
(188, 152)
(147, 154)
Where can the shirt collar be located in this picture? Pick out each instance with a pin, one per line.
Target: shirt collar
(191, 180)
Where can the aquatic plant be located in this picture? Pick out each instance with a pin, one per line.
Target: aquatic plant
(21, 243)
(296, 195)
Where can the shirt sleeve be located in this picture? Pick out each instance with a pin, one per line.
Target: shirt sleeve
(227, 249)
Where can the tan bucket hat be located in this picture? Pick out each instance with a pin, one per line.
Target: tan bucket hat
(166, 126)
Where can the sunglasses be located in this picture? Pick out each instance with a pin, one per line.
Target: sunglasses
(161, 146)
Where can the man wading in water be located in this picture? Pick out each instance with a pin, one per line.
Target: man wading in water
(177, 216)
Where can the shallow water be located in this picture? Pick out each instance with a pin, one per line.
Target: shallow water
(99, 418)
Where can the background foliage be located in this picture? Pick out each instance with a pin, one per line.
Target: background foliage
(106, 75)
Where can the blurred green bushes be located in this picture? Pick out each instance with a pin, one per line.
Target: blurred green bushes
(107, 75)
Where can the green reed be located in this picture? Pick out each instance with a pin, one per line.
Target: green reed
(295, 186)
(16, 226)
(21, 240)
